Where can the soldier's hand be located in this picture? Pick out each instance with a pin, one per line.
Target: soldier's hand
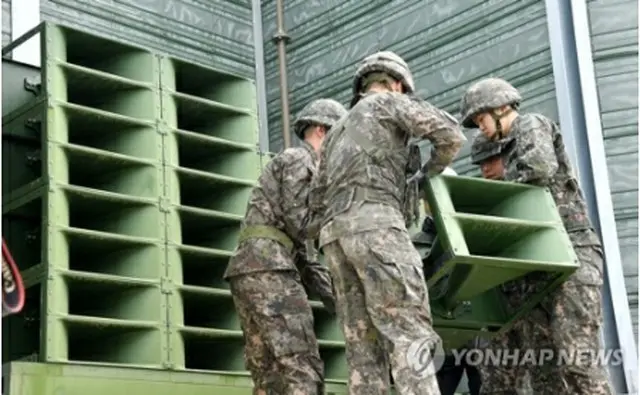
(416, 177)
(329, 303)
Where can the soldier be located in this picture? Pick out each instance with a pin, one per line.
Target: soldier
(486, 154)
(569, 319)
(363, 205)
(265, 273)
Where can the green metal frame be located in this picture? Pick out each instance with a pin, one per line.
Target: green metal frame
(490, 233)
(25, 378)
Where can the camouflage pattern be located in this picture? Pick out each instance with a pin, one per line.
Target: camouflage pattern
(484, 95)
(483, 149)
(358, 199)
(316, 278)
(383, 306)
(281, 350)
(267, 275)
(278, 200)
(386, 62)
(539, 157)
(348, 174)
(570, 318)
(322, 112)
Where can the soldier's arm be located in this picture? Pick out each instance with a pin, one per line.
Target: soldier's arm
(533, 160)
(425, 121)
(316, 197)
(294, 190)
(315, 276)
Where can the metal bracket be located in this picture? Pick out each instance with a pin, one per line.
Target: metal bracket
(164, 204)
(166, 286)
(162, 128)
(32, 236)
(34, 158)
(168, 365)
(450, 314)
(33, 85)
(281, 36)
(34, 125)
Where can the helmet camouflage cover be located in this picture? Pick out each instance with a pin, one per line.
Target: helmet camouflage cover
(483, 148)
(385, 62)
(484, 95)
(322, 112)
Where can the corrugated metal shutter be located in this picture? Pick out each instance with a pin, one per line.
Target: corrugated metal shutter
(614, 31)
(6, 22)
(218, 34)
(448, 45)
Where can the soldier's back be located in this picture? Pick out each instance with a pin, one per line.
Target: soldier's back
(265, 212)
(365, 158)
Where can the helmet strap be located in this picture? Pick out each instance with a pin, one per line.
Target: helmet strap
(497, 118)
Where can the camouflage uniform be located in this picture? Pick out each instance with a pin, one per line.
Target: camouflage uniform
(270, 263)
(358, 200)
(570, 318)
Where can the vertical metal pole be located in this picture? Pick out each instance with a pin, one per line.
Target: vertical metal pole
(281, 39)
(261, 90)
(581, 126)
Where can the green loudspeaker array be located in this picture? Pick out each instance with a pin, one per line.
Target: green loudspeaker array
(211, 135)
(490, 233)
(82, 176)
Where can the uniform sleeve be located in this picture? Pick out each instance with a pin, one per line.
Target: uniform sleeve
(533, 159)
(425, 121)
(294, 191)
(316, 197)
(315, 276)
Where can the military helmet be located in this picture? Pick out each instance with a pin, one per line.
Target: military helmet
(483, 148)
(385, 62)
(324, 112)
(486, 95)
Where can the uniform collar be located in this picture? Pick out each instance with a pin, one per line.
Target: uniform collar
(310, 150)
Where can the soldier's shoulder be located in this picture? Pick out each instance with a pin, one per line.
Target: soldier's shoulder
(532, 120)
(385, 99)
(535, 117)
(293, 154)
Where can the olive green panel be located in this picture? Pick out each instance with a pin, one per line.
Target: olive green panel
(21, 378)
(488, 234)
